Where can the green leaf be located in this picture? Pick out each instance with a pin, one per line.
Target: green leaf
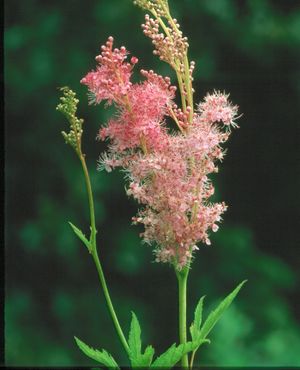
(199, 343)
(103, 357)
(215, 315)
(145, 359)
(138, 359)
(173, 355)
(81, 236)
(134, 340)
(195, 327)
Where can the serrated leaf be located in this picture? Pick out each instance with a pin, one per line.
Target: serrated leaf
(137, 358)
(134, 340)
(81, 236)
(103, 357)
(215, 315)
(145, 359)
(198, 343)
(173, 355)
(195, 327)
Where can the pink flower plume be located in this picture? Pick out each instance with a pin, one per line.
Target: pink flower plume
(168, 174)
(111, 80)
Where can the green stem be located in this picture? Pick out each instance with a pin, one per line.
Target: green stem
(109, 302)
(186, 77)
(182, 289)
(176, 66)
(91, 201)
(192, 358)
(96, 257)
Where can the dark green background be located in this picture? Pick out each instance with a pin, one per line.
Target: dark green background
(248, 48)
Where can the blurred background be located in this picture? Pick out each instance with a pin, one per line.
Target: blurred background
(249, 48)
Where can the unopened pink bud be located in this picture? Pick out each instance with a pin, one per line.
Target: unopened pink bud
(134, 60)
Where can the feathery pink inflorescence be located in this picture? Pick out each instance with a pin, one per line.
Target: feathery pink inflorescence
(176, 189)
(111, 80)
(167, 172)
(141, 107)
(217, 108)
(141, 115)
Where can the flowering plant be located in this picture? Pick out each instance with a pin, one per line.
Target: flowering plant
(167, 172)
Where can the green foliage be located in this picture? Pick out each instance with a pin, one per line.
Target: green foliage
(195, 327)
(173, 355)
(199, 333)
(103, 357)
(137, 358)
(215, 315)
(81, 236)
(146, 358)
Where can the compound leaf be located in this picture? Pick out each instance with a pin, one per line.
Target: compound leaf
(215, 315)
(173, 355)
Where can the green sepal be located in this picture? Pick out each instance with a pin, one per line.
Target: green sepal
(102, 356)
(173, 355)
(137, 358)
(81, 236)
(215, 315)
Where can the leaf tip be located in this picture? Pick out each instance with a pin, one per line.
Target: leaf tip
(133, 315)
(243, 283)
(77, 340)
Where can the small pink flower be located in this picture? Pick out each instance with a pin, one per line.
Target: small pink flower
(217, 108)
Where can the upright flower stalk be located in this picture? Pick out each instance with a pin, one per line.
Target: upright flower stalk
(68, 107)
(167, 170)
(182, 277)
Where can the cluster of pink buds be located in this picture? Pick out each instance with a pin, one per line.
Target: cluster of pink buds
(171, 47)
(105, 85)
(167, 172)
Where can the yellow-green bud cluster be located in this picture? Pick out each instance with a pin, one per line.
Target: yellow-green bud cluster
(68, 107)
(160, 7)
(170, 46)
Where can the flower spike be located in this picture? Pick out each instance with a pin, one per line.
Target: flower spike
(68, 107)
